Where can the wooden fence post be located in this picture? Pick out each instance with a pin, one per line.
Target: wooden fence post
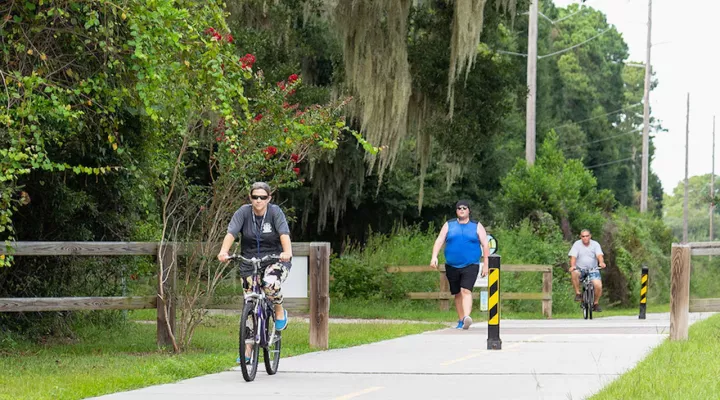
(679, 291)
(166, 259)
(547, 291)
(319, 266)
(444, 288)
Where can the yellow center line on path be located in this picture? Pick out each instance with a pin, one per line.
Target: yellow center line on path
(471, 356)
(360, 393)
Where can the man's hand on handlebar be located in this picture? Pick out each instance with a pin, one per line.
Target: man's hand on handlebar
(285, 256)
(222, 256)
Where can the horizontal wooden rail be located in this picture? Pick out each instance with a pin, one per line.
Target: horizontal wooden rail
(444, 296)
(704, 305)
(76, 303)
(476, 295)
(505, 267)
(110, 248)
(236, 303)
(318, 254)
(704, 248)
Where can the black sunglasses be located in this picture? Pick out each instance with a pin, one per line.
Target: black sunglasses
(256, 197)
(462, 208)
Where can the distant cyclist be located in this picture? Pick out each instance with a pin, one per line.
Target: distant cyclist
(264, 231)
(586, 255)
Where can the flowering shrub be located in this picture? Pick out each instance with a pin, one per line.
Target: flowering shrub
(176, 68)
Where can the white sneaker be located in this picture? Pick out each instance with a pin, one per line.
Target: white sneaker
(467, 321)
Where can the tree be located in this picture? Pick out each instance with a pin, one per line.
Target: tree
(558, 186)
(699, 199)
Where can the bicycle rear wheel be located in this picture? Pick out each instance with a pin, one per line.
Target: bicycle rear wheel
(248, 345)
(271, 353)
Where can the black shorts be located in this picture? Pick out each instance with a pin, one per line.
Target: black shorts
(462, 277)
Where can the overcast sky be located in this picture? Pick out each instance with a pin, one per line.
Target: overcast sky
(684, 52)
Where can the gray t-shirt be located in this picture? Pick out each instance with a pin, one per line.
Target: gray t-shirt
(260, 235)
(586, 256)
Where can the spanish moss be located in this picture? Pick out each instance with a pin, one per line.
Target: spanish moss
(374, 36)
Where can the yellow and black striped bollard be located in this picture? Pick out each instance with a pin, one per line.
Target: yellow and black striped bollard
(643, 291)
(493, 341)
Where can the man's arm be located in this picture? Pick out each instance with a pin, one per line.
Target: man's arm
(439, 242)
(482, 235)
(572, 263)
(601, 261)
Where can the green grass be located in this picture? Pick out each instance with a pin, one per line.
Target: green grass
(425, 310)
(675, 370)
(103, 359)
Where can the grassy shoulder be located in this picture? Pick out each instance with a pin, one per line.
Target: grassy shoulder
(424, 310)
(687, 370)
(102, 360)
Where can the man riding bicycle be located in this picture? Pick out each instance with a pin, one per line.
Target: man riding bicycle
(585, 256)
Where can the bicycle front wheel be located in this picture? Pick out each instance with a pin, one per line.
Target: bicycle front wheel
(271, 353)
(590, 302)
(248, 343)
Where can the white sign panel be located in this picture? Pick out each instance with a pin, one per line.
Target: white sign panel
(296, 285)
(480, 281)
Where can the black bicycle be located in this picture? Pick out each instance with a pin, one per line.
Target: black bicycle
(257, 326)
(588, 294)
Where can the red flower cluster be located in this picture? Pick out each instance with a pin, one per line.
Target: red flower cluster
(294, 158)
(220, 130)
(258, 117)
(217, 36)
(290, 80)
(247, 61)
(270, 151)
(296, 171)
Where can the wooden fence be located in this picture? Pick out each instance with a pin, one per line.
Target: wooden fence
(680, 302)
(444, 295)
(318, 266)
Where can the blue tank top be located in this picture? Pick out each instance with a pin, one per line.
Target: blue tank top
(462, 246)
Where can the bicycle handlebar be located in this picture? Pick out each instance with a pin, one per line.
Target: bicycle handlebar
(588, 270)
(254, 259)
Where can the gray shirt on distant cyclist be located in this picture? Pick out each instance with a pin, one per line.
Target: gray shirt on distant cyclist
(586, 256)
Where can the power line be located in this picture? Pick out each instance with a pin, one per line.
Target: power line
(512, 53)
(602, 140)
(598, 116)
(612, 162)
(572, 47)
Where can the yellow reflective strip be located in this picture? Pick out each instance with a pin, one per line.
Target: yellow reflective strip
(493, 300)
(494, 320)
(643, 301)
(643, 291)
(644, 279)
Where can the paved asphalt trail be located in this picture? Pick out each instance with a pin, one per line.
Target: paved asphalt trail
(540, 359)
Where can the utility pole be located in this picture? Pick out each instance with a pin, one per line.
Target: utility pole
(712, 185)
(646, 118)
(685, 199)
(532, 83)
